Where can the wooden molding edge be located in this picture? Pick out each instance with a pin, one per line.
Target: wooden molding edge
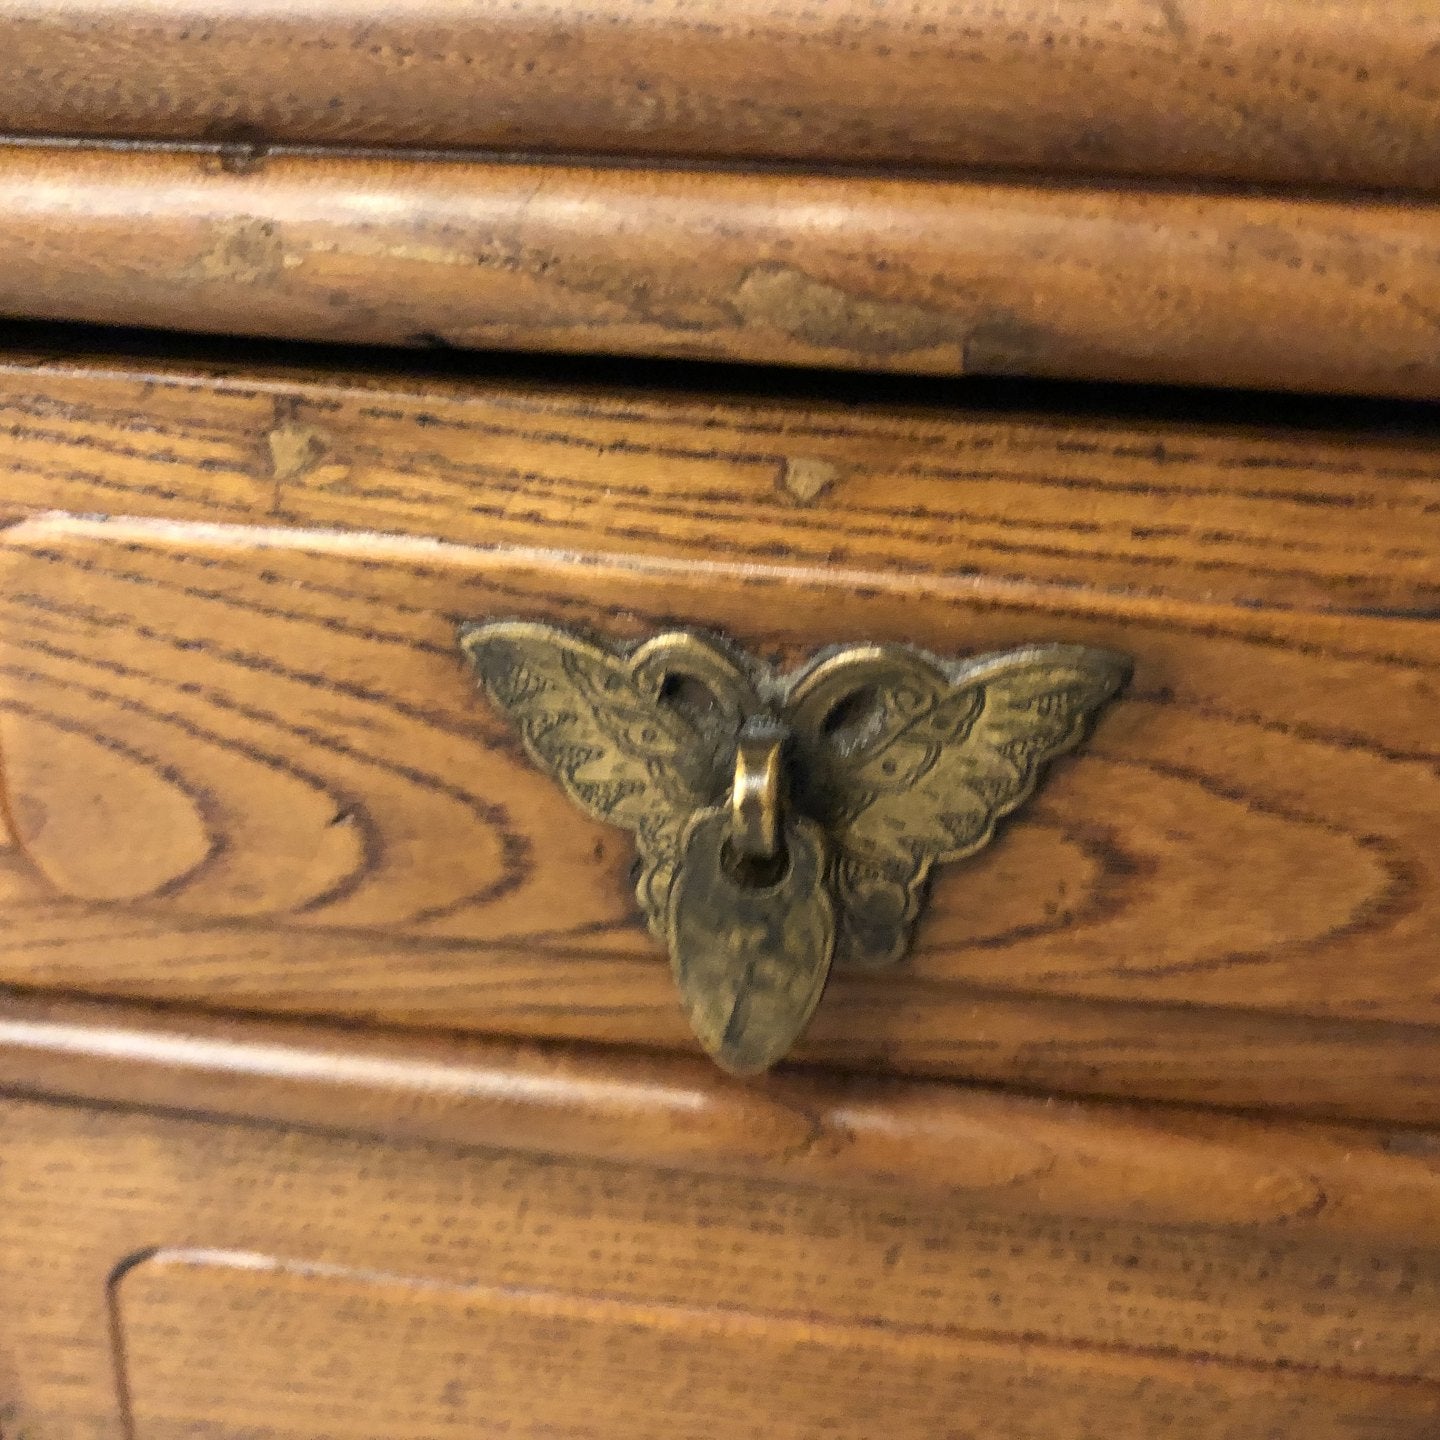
(1287, 92)
(910, 276)
(943, 1141)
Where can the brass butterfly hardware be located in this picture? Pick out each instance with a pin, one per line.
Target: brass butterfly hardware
(785, 822)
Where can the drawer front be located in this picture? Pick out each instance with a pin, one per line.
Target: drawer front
(247, 1279)
(245, 766)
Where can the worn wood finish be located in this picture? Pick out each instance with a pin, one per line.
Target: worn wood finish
(915, 1142)
(210, 1339)
(1076, 1322)
(1288, 91)
(1275, 509)
(290, 932)
(260, 749)
(880, 274)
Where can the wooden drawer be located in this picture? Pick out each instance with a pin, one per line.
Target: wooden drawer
(607, 1246)
(246, 768)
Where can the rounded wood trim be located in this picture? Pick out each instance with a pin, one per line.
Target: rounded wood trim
(1039, 1156)
(1291, 91)
(916, 277)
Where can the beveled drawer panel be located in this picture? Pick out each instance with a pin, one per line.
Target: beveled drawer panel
(245, 765)
(214, 1342)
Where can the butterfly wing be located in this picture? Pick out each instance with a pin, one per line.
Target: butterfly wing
(910, 762)
(600, 720)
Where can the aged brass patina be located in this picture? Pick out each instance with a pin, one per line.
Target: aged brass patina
(785, 821)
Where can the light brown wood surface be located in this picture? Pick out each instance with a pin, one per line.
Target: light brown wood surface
(878, 274)
(353, 1275)
(1227, 899)
(913, 1141)
(1308, 504)
(1286, 91)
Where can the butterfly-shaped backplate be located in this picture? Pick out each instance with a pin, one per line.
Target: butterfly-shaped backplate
(893, 761)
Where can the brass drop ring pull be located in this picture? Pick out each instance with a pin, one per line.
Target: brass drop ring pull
(755, 793)
(786, 822)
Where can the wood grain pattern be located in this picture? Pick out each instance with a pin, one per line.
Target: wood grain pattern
(911, 276)
(261, 745)
(1270, 1319)
(914, 1142)
(1278, 510)
(1327, 93)
(212, 1339)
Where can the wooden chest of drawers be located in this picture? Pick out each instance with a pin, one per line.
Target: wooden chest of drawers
(345, 1090)
(247, 773)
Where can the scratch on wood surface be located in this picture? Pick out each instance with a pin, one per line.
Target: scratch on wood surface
(788, 300)
(244, 251)
(806, 478)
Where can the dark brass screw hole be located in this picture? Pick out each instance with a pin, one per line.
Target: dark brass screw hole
(854, 718)
(692, 698)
